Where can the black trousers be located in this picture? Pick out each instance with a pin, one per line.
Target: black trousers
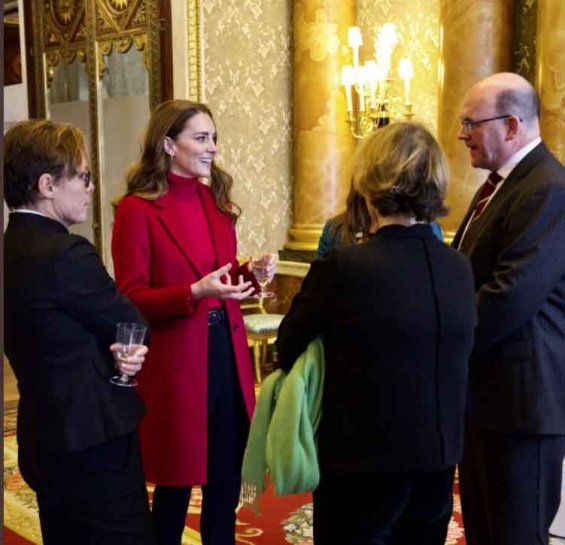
(383, 509)
(96, 497)
(510, 487)
(228, 427)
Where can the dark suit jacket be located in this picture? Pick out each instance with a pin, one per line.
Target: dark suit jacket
(60, 315)
(397, 316)
(517, 251)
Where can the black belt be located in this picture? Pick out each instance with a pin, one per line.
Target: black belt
(216, 316)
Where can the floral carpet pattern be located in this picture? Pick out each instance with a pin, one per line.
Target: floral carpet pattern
(283, 520)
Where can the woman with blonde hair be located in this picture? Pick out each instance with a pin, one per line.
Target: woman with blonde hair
(396, 315)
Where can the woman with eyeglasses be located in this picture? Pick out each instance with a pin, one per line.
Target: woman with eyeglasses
(77, 432)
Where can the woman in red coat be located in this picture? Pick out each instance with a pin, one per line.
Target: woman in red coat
(174, 251)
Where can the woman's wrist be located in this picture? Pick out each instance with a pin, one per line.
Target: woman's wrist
(194, 291)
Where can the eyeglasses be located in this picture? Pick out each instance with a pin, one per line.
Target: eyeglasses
(469, 124)
(85, 177)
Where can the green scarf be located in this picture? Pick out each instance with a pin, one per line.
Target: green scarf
(282, 436)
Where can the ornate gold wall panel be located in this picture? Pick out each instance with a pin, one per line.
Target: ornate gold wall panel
(477, 41)
(64, 32)
(247, 85)
(115, 25)
(551, 74)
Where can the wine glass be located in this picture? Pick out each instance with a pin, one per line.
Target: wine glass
(129, 336)
(259, 268)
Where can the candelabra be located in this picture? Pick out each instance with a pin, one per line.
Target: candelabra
(375, 103)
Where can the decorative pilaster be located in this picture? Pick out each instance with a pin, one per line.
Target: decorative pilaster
(550, 74)
(476, 42)
(323, 145)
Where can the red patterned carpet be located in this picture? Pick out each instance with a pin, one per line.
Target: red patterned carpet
(283, 520)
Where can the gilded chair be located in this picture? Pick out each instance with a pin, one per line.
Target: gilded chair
(261, 328)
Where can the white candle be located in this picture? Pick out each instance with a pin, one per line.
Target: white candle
(354, 40)
(348, 80)
(371, 74)
(361, 84)
(406, 72)
(348, 98)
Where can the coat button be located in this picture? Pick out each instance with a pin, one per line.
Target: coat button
(235, 327)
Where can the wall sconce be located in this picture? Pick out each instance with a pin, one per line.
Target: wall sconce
(375, 106)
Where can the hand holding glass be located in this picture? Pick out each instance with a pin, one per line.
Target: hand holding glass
(259, 266)
(130, 337)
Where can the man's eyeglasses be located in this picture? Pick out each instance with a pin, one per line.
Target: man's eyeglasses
(469, 124)
(85, 177)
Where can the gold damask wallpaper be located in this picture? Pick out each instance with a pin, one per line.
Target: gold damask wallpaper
(417, 25)
(247, 80)
(247, 83)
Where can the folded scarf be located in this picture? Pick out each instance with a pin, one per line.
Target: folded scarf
(282, 437)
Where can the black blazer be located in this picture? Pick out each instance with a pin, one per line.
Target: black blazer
(397, 316)
(60, 315)
(517, 251)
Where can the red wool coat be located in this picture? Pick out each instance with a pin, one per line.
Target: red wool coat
(155, 248)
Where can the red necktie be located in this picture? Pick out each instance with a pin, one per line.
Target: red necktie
(487, 190)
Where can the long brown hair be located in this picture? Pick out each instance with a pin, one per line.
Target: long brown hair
(147, 178)
(354, 223)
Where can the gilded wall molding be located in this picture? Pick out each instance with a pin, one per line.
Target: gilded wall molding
(195, 79)
(93, 69)
(153, 52)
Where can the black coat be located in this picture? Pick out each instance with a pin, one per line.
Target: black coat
(60, 315)
(517, 251)
(397, 316)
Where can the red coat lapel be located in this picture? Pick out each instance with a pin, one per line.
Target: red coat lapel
(174, 215)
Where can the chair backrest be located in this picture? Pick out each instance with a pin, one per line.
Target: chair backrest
(253, 303)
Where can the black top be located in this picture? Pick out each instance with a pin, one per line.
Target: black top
(397, 315)
(60, 313)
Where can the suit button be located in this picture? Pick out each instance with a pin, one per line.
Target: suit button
(235, 327)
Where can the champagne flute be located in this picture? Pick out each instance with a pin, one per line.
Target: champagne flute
(261, 273)
(130, 337)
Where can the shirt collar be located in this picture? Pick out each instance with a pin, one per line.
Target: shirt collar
(509, 166)
(28, 211)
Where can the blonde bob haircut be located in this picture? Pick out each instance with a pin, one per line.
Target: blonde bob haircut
(402, 170)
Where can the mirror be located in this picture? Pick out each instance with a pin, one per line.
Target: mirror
(101, 65)
(67, 101)
(125, 112)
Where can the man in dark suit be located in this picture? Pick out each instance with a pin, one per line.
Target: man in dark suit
(77, 439)
(515, 239)
(397, 317)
